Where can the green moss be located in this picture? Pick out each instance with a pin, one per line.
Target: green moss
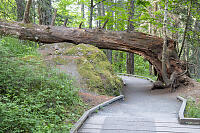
(89, 74)
(104, 65)
(93, 54)
(29, 25)
(95, 69)
(65, 45)
(61, 60)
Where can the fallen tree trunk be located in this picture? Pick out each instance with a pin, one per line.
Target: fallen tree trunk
(148, 46)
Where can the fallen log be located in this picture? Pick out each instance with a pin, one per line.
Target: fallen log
(145, 45)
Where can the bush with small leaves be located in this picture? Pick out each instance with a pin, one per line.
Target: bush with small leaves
(34, 97)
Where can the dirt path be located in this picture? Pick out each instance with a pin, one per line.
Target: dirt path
(143, 111)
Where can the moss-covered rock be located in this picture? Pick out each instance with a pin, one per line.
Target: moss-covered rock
(95, 69)
(88, 64)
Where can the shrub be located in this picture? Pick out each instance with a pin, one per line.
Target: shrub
(33, 97)
(192, 109)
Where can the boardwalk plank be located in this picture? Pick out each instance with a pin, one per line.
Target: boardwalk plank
(168, 125)
(141, 112)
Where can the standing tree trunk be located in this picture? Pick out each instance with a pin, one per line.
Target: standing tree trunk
(54, 17)
(91, 13)
(34, 13)
(150, 65)
(155, 9)
(83, 12)
(99, 14)
(110, 27)
(121, 57)
(185, 30)
(45, 12)
(164, 55)
(130, 27)
(26, 18)
(20, 9)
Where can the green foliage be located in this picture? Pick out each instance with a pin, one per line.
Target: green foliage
(8, 9)
(19, 48)
(141, 65)
(198, 80)
(119, 61)
(33, 97)
(192, 109)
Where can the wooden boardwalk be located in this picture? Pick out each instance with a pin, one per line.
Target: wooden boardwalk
(119, 124)
(143, 111)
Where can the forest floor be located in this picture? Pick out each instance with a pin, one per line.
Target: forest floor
(92, 99)
(192, 91)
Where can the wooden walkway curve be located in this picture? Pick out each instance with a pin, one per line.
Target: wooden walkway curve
(143, 111)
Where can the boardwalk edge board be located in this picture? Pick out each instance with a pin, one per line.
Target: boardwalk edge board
(84, 117)
(137, 76)
(181, 118)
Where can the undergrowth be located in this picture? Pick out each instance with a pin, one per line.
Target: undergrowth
(34, 97)
(192, 109)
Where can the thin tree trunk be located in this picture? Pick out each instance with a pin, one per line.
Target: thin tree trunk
(34, 13)
(198, 64)
(44, 12)
(130, 63)
(91, 14)
(20, 9)
(164, 56)
(130, 56)
(99, 14)
(150, 69)
(110, 27)
(83, 12)
(26, 18)
(185, 30)
(150, 65)
(121, 56)
(54, 17)
(155, 9)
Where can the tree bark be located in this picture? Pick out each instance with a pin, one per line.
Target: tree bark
(20, 9)
(121, 57)
(83, 13)
(110, 27)
(185, 30)
(130, 27)
(164, 55)
(99, 15)
(130, 63)
(91, 13)
(148, 46)
(44, 12)
(26, 18)
(54, 17)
